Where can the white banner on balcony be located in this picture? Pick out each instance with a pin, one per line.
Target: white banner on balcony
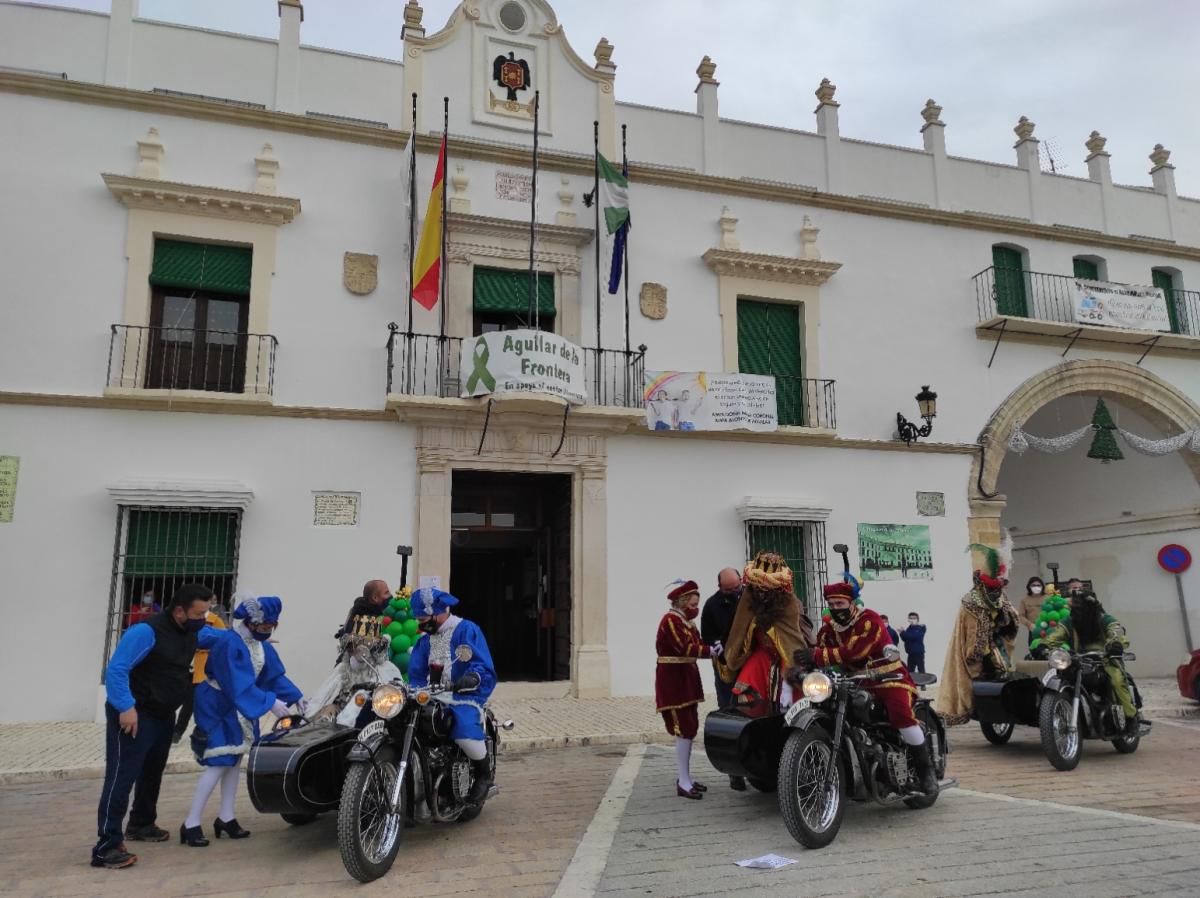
(523, 361)
(1121, 305)
(702, 400)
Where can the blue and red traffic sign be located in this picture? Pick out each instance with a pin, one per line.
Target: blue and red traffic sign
(1174, 558)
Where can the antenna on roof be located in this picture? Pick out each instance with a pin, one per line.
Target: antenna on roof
(1052, 160)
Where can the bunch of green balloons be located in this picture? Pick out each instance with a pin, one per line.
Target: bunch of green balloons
(1054, 609)
(400, 626)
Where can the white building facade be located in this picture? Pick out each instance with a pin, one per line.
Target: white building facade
(197, 374)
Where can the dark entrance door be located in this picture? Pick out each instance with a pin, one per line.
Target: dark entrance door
(510, 557)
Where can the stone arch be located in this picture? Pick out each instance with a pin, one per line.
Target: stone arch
(1158, 401)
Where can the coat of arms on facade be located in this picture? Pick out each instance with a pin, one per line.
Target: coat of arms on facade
(512, 76)
(931, 505)
(360, 273)
(653, 301)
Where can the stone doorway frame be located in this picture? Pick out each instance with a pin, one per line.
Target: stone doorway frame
(521, 437)
(1158, 401)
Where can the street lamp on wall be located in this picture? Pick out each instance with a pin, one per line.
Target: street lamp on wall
(927, 405)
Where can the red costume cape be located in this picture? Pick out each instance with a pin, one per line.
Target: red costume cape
(677, 678)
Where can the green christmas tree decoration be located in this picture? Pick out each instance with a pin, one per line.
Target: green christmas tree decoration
(1104, 443)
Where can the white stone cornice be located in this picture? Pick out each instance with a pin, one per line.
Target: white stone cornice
(186, 493)
(507, 227)
(192, 199)
(763, 267)
(780, 508)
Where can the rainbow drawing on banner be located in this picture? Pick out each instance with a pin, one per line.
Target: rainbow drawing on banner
(666, 377)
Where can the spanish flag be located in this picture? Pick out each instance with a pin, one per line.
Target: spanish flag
(427, 265)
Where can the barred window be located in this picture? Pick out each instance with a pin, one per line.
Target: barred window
(802, 545)
(157, 550)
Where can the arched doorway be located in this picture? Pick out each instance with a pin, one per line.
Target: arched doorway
(1100, 521)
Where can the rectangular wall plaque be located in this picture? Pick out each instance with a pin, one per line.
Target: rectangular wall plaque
(335, 509)
(515, 186)
(9, 466)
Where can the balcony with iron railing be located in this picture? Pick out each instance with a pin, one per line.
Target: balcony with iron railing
(148, 361)
(427, 365)
(1012, 302)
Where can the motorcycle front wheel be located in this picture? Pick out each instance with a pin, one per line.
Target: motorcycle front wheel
(1062, 747)
(811, 810)
(368, 836)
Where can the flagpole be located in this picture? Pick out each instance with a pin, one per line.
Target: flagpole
(625, 172)
(412, 209)
(596, 204)
(534, 311)
(443, 270)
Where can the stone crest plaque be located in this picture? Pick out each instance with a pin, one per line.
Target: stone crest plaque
(515, 186)
(653, 301)
(931, 505)
(360, 273)
(335, 509)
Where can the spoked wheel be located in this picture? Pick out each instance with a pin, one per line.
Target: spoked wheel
(1062, 747)
(811, 810)
(997, 733)
(368, 836)
(1128, 744)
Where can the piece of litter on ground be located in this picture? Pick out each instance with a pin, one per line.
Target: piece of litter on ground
(766, 862)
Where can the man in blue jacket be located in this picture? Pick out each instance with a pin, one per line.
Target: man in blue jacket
(147, 680)
(454, 651)
(914, 643)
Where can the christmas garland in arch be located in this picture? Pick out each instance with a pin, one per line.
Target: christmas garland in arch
(1104, 446)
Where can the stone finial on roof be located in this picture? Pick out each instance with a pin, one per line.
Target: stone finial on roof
(412, 14)
(932, 113)
(1160, 156)
(1095, 144)
(706, 70)
(825, 91)
(603, 52)
(1024, 128)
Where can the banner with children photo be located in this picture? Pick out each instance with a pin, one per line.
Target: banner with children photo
(702, 400)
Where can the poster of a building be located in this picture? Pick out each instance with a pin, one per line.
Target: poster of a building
(895, 552)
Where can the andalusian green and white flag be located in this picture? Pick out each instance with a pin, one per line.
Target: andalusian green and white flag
(614, 195)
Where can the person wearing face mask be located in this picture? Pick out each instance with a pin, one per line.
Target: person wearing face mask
(455, 648)
(1031, 604)
(981, 644)
(913, 636)
(1089, 628)
(677, 689)
(145, 609)
(244, 680)
(217, 622)
(716, 620)
(146, 682)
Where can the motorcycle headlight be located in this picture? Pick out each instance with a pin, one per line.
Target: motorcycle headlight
(817, 687)
(387, 700)
(1059, 659)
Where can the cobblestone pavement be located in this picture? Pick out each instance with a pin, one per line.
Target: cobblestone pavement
(34, 752)
(517, 847)
(1020, 829)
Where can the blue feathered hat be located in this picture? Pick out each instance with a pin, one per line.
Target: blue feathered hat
(430, 602)
(259, 610)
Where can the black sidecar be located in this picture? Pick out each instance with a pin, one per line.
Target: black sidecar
(738, 745)
(1004, 703)
(297, 772)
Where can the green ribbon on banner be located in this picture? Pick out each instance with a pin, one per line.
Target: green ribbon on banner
(480, 371)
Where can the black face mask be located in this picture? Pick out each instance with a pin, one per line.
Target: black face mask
(430, 626)
(841, 615)
(734, 593)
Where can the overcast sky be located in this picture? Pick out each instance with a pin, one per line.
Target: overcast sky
(1128, 69)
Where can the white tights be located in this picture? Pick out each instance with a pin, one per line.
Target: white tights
(475, 749)
(912, 735)
(209, 777)
(683, 759)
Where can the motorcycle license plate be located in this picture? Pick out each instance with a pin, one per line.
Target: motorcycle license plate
(795, 710)
(371, 730)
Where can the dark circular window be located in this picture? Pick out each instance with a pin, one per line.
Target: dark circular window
(512, 16)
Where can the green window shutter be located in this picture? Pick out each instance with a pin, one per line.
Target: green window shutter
(181, 542)
(786, 540)
(1166, 282)
(1087, 270)
(769, 342)
(1010, 282)
(498, 290)
(201, 266)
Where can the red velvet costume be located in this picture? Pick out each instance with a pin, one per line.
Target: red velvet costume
(677, 689)
(859, 645)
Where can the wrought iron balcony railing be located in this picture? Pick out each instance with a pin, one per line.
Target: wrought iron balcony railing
(805, 402)
(429, 365)
(1013, 293)
(180, 358)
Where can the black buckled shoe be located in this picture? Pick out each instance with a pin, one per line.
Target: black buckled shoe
(192, 836)
(230, 828)
(149, 833)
